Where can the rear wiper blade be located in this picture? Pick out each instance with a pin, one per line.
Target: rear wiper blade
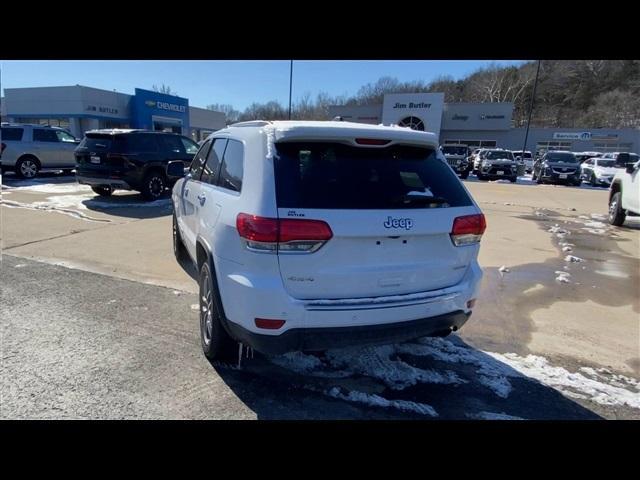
(417, 198)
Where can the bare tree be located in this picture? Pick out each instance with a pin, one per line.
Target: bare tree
(231, 113)
(166, 89)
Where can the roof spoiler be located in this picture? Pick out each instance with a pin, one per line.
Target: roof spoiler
(251, 123)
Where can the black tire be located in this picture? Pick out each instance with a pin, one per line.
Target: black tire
(216, 342)
(27, 167)
(616, 214)
(154, 185)
(480, 176)
(464, 175)
(179, 249)
(103, 191)
(513, 179)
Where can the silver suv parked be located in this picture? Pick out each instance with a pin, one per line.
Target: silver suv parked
(31, 148)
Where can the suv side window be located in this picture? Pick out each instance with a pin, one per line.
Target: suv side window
(65, 137)
(190, 146)
(142, 143)
(171, 143)
(12, 134)
(212, 167)
(198, 161)
(44, 135)
(232, 167)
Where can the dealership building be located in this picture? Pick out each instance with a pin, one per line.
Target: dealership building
(78, 109)
(483, 125)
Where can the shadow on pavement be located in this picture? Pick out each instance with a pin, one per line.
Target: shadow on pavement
(130, 205)
(274, 392)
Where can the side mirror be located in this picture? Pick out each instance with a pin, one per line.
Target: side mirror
(630, 167)
(176, 169)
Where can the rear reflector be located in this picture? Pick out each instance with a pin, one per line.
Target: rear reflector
(269, 324)
(287, 235)
(371, 141)
(468, 229)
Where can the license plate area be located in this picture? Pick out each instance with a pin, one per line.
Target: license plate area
(563, 175)
(94, 159)
(500, 172)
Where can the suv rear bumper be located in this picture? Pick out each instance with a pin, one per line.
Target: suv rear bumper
(311, 339)
(102, 182)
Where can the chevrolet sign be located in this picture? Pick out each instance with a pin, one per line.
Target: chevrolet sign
(171, 106)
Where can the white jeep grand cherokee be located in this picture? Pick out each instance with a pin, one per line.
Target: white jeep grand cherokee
(317, 235)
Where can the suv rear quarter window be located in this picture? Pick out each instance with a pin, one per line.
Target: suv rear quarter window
(338, 176)
(232, 169)
(11, 134)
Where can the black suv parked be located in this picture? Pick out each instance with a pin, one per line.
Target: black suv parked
(131, 160)
(557, 167)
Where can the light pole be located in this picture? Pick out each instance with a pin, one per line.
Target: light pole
(290, 85)
(533, 95)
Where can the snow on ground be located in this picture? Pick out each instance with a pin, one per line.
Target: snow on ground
(595, 386)
(37, 187)
(49, 208)
(492, 370)
(573, 259)
(504, 269)
(598, 216)
(562, 277)
(378, 401)
(492, 416)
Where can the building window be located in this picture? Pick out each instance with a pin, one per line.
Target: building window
(473, 143)
(52, 122)
(413, 123)
(113, 124)
(551, 146)
(612, 147)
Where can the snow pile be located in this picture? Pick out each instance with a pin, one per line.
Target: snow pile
(378, 401)
(298, 362)
(573, 259)
(595, 224)
(504, 269)
(598, 216)
(567, 249)
(492, 416)
(43, 206)
(491, 374)
(562, 277)
(617, 390)
(52, 188)
(377, 362)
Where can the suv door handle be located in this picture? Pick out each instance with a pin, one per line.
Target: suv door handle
(186, 192)
(202, 199)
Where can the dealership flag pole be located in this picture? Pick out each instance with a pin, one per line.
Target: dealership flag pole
(290, 86)
(533, 95)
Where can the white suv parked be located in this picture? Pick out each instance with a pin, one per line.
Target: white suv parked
(317, 235)
(31, 148)
(624, 193)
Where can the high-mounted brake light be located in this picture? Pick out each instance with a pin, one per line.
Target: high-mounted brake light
(468, 230)
(371, 141)
(286, 235)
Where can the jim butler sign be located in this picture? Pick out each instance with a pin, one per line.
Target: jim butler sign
(426, 107)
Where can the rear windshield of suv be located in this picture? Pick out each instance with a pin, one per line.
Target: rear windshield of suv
(96, 141)
(337, 176)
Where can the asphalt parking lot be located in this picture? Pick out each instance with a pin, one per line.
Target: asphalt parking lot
(98, 321)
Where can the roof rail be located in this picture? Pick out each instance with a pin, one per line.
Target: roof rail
(251, 123)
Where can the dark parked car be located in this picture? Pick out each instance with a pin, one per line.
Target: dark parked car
(496, 163)
(557, 167)
(131, 160)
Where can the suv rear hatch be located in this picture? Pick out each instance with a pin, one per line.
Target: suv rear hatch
(390, 208)
(94, 156)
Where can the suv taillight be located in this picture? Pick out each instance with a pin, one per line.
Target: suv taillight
(468, 229)
(282, 235)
